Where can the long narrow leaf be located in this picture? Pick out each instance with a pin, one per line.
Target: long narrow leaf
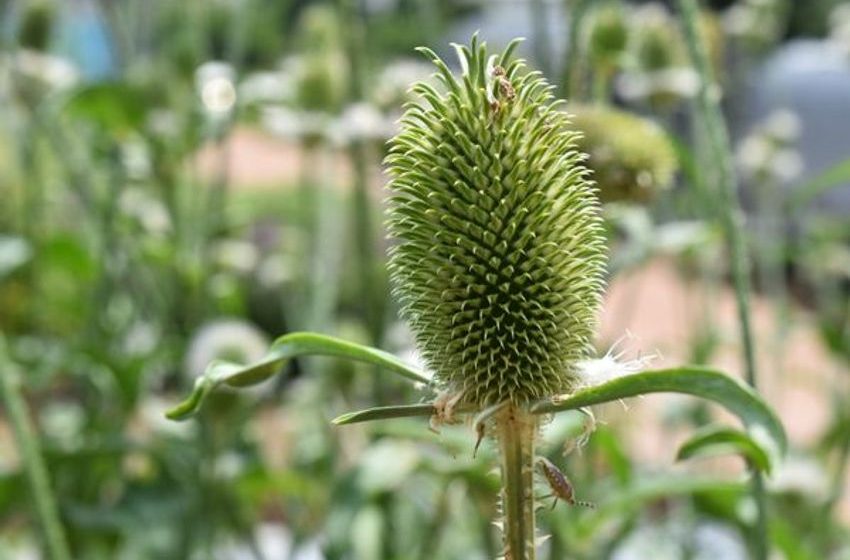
(837, 175)
(284, 348)
(714, 440)
(384, 412)
(709, 384)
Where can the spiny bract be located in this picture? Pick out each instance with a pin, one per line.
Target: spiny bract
(500, 260)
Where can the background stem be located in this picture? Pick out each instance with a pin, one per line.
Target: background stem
(713, 126)
(33, 462)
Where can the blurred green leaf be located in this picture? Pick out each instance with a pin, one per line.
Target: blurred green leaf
(732, 394)
(715, 440)
(284, 348)
(836, 176)
(113, 106)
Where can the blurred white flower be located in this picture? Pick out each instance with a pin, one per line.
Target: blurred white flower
(164, 123)
(236, 255)
(152, 419)
(63, 422)
(766, 154)
(680, 82)
(800, 475)
(612, 365)
(758, 23)
(214, 82)
(361, 121)
(136, 159)
(295, 125)
(274, 271)
(783, 125)
(273, 541)
(839, 28)
(267, 87)
(40, 73)
(224, 339)
(392, 88)
(151, 214)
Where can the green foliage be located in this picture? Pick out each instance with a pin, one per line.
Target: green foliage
(705, 383)
(285, 348)
(500, 257)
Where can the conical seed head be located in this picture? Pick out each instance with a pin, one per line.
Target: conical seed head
(499, 260)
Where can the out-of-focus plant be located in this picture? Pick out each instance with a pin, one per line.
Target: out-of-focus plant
(498, 268)
(659, 72)
(757, 24)
(608, 37)
(631, 157)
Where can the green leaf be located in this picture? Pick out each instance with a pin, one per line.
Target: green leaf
(384, 412)
(113, 106)
(836, 176)
(286, 347)
(714, 440)
(705, 383)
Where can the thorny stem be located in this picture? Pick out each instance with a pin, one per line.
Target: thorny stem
(28, 447)
(516, 430)
(732, 215)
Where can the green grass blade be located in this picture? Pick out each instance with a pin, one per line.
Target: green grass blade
(284, 348)
(714, 440)
(384, 412)
(33, 464)
(732, 394)
(835, 176)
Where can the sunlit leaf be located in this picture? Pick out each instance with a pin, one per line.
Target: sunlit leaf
(714, 440)
(113, 106)
(761, 422)
(284, 348)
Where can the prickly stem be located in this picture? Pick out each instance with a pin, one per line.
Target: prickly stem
(516, 430)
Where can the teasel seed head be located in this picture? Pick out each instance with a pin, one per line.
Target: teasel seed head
(631, 157)
(499, 262)
(608, 35)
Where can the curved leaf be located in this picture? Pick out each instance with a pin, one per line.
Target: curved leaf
(714, 440)
(284, 348)
(705, 383)
(384, 412)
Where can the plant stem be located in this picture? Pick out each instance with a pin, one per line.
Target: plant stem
(29, 449)
(573, 67)
(516, 430)
(717, 137)
(364, 231)
(542, 46)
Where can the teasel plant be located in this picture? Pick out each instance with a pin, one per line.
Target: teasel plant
(499, 268)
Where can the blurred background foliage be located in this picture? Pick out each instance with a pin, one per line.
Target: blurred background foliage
(181, 181)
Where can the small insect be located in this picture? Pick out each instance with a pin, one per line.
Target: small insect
(480, 430)
(562, 488)
(505, 87)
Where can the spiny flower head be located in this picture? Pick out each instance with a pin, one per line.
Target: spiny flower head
(499, 260)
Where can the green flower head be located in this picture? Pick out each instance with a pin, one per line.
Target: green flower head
(499, 262)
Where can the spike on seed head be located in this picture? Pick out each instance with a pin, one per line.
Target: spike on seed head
(500, 257)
